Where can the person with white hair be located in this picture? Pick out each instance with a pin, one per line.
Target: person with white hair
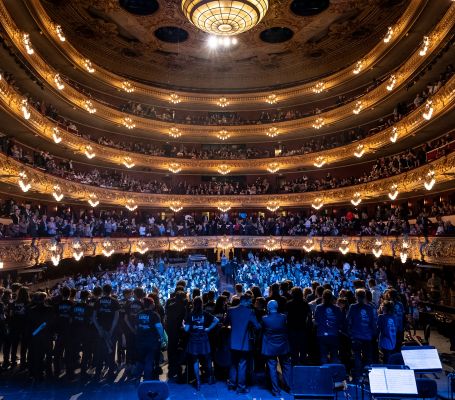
(275, 347)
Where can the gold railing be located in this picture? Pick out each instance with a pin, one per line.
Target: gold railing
(416, 180)
(27, 252)
(400, 28)
(116, 117)
(442, 102)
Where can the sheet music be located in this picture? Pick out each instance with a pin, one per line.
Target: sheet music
(392, 381)
(422, 359)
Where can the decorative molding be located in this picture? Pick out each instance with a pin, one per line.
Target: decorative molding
(23, 253)
(441, 170)
(370, 59)
(442, 102)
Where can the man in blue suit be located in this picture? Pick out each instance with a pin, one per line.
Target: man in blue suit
(275, 346)
(241, 319)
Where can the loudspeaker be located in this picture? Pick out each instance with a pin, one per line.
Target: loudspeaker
(312, 382)
(153, 390)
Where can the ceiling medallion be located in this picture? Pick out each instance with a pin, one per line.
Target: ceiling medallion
(225, 18)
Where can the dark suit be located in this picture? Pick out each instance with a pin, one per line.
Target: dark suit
(275, 346)
(241, 319)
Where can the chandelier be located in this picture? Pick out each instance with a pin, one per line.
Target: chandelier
(89, 153)
(273, 205)
(59, 82)
(174, 98)
(357, 199)
(271, 244)
(359, 151)
(176, 206)
(309, 245)
(77, 250)
(225, 243)
(131, 205)
(56, 135)
(393, 192)
(174, 132)
(107, 248)
(223, 169)
(318, 123)
(57, 193)
(344, 247)
(272, 99)
(319, 162)
(175, 168)
(224, 206)
(127, 87)
(141, 247)
(394, 135)
(273, 167)
(24, 182)
(377, 248)
(128, 123)
(178, 245)
(225, 18)
(128, 162)
(272, 132)
(93, 200)
(223, 135)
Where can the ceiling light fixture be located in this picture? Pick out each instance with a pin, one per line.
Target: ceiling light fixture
(271, 244)
(131, 205)
(358, 107)
(88, 105)
(223, 102)
(224, 206)
(318, 123)
(429, 180)
(108, 248)
(24, 182)
(77, 250)
(425, 46)
(27, 44)
(273, 167)
(175, 168)
(359, 151)
(59, 33)
(388, 36)
(55, 254)
(127, 87)
(404, 251)
(308, 245)
(56, 135)
(391, 83)
(223, 135)
(141, 247)
(393, 192)
(394, 134)
(344, 247)
(174, 132)
(226, 18)
(57, 193)
(358, 67)
(89, 153)
(319, 87)
(93, 200)
(272, 99)
(88, 66)
(178, 245)
(59, 82)
(272, 132)
(356, 200)
(128, 123)
(319, 162)
(225, 243)
(224, 169)
(273, 205)
(128, 162)
(215, 42)
(428, 111)
(174, 98)
(317, 204)
(25, 108)
(377, 248)
(176, 206)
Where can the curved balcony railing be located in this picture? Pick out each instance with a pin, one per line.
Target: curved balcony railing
(30, 179)
(400, 28)
(435, 38)
(26, 253)
(441, 102)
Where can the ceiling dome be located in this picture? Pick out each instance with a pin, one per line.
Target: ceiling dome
(222, 17)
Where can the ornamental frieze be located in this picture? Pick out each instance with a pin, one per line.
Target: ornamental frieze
(26, 253)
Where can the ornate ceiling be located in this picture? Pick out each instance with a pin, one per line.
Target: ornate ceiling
(163, 48)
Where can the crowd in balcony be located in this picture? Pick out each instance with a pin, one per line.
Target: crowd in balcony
(34, 220)
(107, 178)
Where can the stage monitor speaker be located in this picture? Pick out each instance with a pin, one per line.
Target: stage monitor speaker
(312, 383)
(153, 390)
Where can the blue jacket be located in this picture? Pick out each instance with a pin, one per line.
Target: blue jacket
(361, 321)
(241, 319)
(328, 319)
(387, 332)
(275, 341)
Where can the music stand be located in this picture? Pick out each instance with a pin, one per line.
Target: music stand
(392, 383)
(423, 359)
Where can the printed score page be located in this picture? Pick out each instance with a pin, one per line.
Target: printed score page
(422, 359)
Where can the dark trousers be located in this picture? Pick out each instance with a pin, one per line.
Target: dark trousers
(146, 356)
(104, 356)
(237, 372)
(363, 355)
(131, 350)
(175, 368)
(40, 356)
(82, 346)
(272, 366)
(62, 352)
(329, 345)
(18, 336)
(298, 342)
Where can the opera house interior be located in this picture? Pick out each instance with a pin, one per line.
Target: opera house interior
(222, 199)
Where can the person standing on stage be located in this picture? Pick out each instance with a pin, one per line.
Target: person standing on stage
(105, 319)
(387, 330)
(198, 324)
(275, 347)
(149, 339)
(241, 319)
(328, 319)
(361, 322)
